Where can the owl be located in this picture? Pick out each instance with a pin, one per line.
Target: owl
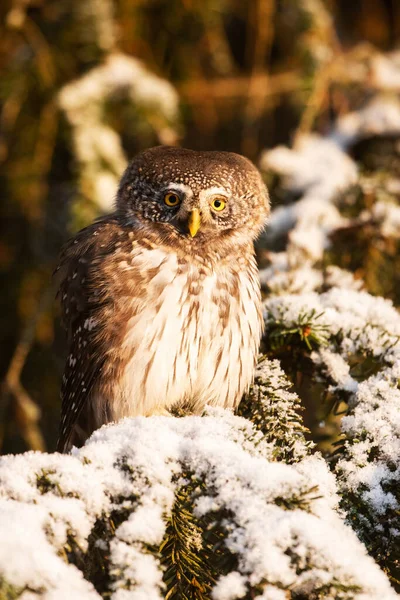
(161, 298)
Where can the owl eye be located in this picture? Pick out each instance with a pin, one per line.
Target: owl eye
(172, 199)
(218, 204)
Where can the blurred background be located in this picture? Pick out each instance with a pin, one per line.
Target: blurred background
(87, 83)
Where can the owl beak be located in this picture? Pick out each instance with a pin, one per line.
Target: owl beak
(194, 221)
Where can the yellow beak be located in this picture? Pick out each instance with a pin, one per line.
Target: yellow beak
(194, 221)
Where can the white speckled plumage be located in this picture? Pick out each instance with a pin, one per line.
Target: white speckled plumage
(159, 320)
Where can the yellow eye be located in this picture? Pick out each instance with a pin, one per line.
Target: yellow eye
(218, 204)
(172, 199)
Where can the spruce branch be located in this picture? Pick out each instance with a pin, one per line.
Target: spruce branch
(193, 551)
(274, 410)
(305, 330)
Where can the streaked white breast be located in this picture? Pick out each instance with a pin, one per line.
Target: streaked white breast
(181, 348)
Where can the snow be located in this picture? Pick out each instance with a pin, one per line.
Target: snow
(134, 466)
(380, 116)
(319, 170)
(336, 368)
(340, 278)
(374, 419)
(316, 166)
(388, 215)
(386, 71)
(280, 278)
(29, 559)
(230, 587)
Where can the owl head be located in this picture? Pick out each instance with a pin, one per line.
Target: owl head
(198, 195)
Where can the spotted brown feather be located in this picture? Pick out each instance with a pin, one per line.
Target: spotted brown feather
(157, 319)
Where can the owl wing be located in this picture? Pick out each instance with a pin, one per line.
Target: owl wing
(83, 294)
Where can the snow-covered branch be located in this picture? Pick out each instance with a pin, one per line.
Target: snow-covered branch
(105, 521)
(97, 145)
(325, 327)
